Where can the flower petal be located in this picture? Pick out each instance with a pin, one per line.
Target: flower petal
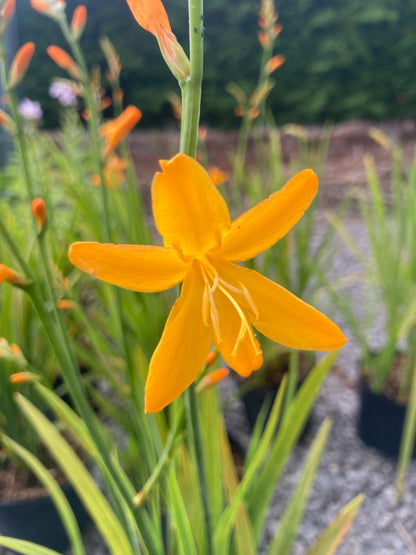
(143, 268)
(282, 316)
(263, 225)
(241, 352)
(189, 212)
(182, 349)
(150, 14)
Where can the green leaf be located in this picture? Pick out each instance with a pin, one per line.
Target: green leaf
(61, 502)
(408, 438)
(25, 547)
(94, 501)
(328, 542)
(283, 539)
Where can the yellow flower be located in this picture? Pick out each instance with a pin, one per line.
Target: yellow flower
(220, 301)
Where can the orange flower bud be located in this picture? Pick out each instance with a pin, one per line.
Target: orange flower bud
(211, 358)
(20, 63)
(7, 274)
(7, 11)
(212, 379)
(152, 16)
(22, 377)
(6, 121)
(277, 28)
(38, 208)
(274, 63)
(65, 304)
(239, 111)
(79, 20)
(254, 112)
(15, 349)
(264, 39)
(217, 175)
(117, 129)
(64, 60)
(51, 8)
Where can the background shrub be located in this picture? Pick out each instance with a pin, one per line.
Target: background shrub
(343, 59)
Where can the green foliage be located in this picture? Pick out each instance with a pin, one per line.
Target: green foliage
(343, 59)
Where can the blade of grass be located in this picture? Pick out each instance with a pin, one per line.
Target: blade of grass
(25, 547)
(77, 474)
(328, 542)
(408, 438)
(58, 497)
(283, 539)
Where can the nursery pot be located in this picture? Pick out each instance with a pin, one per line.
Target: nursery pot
(38, 521)
(254, 398)
(381, 421)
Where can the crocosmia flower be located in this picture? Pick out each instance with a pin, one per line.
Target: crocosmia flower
(220, 301)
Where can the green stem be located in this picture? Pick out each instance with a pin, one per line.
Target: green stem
(195, 435)
(191, 89)
(293, 379)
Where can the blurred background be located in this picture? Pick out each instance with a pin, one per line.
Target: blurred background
(344, 60)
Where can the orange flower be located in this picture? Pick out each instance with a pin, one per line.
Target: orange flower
(38, 208)
(64, 60)
(78, 21)
(113, 172)
(220, 300)
(20, 63)
(274, 63)
(217, 175)
(212, 379)
(116, 130)
(152, 16)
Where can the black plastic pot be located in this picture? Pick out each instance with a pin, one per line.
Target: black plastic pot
(255, 398)
(38, 521)
(380, 422)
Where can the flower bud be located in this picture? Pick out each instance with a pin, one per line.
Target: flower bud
(39, 212)
(64, 60)
(20, 63)
(212, 379)
(79, 20)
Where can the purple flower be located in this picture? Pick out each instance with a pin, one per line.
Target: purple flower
(63, 93)
(30, 109)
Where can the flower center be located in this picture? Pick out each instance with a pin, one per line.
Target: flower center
(213, 283)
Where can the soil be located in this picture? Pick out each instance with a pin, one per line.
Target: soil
(350, 143)
(19, 484)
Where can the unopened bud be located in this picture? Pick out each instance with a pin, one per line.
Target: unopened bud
(39, 212)
(212, 379)
(6, 13)
(211, 358)
(274, 63)
(19, 378)
(9, 275)
(65, 304)
(79, 20)
(20, 63)
(64, 60)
